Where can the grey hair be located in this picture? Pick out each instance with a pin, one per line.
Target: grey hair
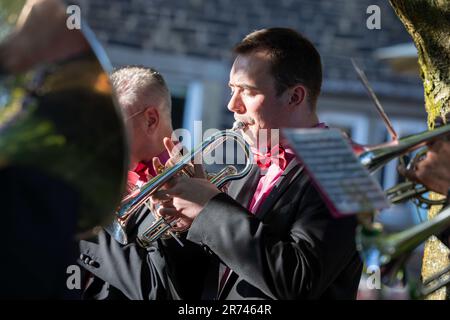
(137, 86)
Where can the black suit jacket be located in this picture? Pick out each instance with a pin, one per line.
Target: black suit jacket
(132, 272)
(292, 249)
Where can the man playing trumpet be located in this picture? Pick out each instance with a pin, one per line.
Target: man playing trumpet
(145, 101)
(271, 236)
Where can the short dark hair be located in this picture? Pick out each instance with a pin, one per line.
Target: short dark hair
(294, 58)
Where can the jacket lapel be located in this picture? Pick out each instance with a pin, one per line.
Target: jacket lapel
(243, 189)
(244, 193)
(292, 171)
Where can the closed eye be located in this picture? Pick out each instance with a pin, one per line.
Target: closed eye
(249, 92)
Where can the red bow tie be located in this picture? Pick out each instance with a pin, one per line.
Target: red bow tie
(275, 155)
(144, 170)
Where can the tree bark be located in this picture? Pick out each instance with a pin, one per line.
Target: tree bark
(428, 23)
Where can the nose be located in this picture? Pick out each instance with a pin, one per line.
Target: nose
(236, 104)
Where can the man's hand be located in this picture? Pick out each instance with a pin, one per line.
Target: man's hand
(434, 170)
(183, 198)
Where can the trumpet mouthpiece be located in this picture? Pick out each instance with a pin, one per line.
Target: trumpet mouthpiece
(241, 125)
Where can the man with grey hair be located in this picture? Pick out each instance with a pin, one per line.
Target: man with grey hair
(118, 270)
(145, 100)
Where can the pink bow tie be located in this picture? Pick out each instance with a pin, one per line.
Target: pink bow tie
(275, 155)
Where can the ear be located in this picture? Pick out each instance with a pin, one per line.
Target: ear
(151, 118)
(297, 96)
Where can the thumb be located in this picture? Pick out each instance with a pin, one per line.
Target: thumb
(173, 149)
(170, 147)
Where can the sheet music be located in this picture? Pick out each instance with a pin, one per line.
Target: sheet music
(346, 186)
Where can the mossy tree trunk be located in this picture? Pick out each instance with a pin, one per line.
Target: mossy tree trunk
(428, 23)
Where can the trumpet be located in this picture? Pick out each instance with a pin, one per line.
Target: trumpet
(374, 157)
(392, 250)
(138, 201)
(410, 190)
(380, 249)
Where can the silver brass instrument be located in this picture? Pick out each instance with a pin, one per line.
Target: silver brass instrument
(160, 226)
(374, 157)
(380, 249)
(410, 190)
